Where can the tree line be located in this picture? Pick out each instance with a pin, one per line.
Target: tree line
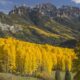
(27, 58)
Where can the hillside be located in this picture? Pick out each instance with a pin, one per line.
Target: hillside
(43, 23)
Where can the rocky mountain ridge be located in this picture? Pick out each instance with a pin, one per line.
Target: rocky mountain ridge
(44, 23)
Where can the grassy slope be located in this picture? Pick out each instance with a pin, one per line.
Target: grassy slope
(7, 76)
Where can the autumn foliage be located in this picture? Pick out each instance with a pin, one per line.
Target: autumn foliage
(27, 58)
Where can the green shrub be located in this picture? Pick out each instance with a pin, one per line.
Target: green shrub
(67, 75)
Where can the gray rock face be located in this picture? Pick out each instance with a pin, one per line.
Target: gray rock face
(22, 10)
(13, 28)
(69, 11)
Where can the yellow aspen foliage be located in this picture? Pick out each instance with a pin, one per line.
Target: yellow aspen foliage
(27, 58)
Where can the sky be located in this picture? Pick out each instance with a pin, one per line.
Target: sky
(7, 5)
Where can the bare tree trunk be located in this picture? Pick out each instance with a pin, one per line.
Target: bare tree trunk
(57, 75)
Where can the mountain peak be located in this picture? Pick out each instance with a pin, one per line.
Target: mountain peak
(45, 5)
(21, 10)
